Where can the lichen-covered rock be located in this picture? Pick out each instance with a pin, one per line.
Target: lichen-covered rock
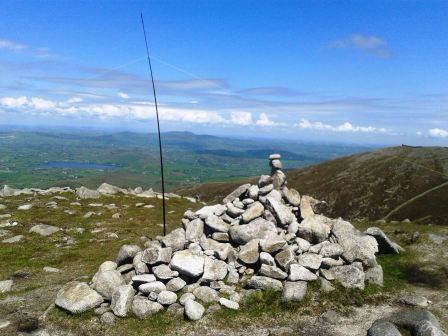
(349, 276)
(175, 239)
(122, 300)
(194, 230)
(281, 212)
(157, 255)
(242, 234)
(315, 229)
(206, 294)
(383, 328)
(193, 310)
(250, 252)
(272, 272)
(216, 224)
(294, 291)
(214, 269)
(300, 273)
(127, 254)
(77, 297)
(143, 308)
(254, 211)
(105, 282)
(262, 282)
(236, 193)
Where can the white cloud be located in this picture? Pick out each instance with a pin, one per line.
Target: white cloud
(75, 100)
(123, 95)
(264, 120)
(372, 45)
(33, 103)
(241, 118)
(12, 46)
(419, 133)
(438, 133)
(345, 127)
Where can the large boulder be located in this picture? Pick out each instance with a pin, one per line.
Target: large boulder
(383, 328)
(85, 193)
(242, 234)
(281, 212)
(315, 228)
(272, 272)
(122, 300)
(175, 239)
(108, 189)
(187, 263)
(105, 282)
(385, 245)
(77, 297)
(357, 247)
(349, 276)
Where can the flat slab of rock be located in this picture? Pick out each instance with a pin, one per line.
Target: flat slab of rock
(281, 212)
(77, 297)
(272, 272)
(385, 245)
(187, 263)
(122, 298)
(13, 240)
(413, 300)
(300, 273)
(242, 234)
(214, 269)
(349, 276)
(294, 291)
(262, 282)
(229, 304)
(250, 252)
(236, 193)
(44, 230)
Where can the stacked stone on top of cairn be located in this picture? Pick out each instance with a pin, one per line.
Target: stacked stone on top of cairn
(262, 236)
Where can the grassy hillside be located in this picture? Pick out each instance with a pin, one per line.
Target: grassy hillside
(393, 183)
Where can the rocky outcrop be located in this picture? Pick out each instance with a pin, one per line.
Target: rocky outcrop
(263, 236)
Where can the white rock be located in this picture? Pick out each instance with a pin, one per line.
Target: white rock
(349, 276)
(216, 224)
(105, 282)
(166, 298)
(229, 304)
(187, 263)
(236, 193)
(156, 255)
(49, 269)
(294, 291)
(315, 229)
(143, 308)
(44, 230)
(298, 272)
(206, 294)
(127, 254)
(214, 269)
(262, 282)
(242, 234)
(310, 260)
(272, 242)
(175, 239)
(12, 240)
(281, 212)
(77, 297)
(25, 207)
(194, 230)
(122, 298)
(194, 310)
(143, 278)
(6, 286)
(254, 211)
(249, 253)
(272, 272)
(149, 287)
(175, 284)
(185, 297)
(163, 272)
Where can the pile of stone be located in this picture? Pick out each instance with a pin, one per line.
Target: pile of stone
(262, 236)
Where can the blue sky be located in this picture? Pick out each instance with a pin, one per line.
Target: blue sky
(352, 71)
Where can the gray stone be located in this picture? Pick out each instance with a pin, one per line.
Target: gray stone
(331, 250)
(127, 254)
(281, 212)
(176, 309)
(143, 308)
(77, 297)
(175, 284)
(426, 328)
(194, 230)
(209, 210)
(24, 207)
(216, 224)
(214, 269)
(175, 239)
(242, 234)
(410, 318)
(157, 255)
(310, 260)
(383, 328)
(105, 282)
(413, 300)
(263, 191)
(206, 294)
(185, 297)
(85, 193)
(236, 193)
(194, 310)
(326, 286)
(304, 245)
(374, 275)
(187, 263)
(44, 230)
(166, 298)
(306, 210)
(357, 247)
(221, 237)
(266, 258)
(143, 278)
(123, 269)
(4, 324)
(291, 196)
(315, 229)
(49, 269)
(108, 266)
(122, 300)
(163, 272)
(272, 242)
(294, 291)
(278, 179)
(107, 318)
(385, 245)
(150, 287)
(264, 180)
(229, 304)
(249, 253)
(253, 192)
(272, 272)
(12, 240)
(6, 286)
(330, 317)
(349, 276)
(234, 211)
(285, 257)
(221, 250)
(300, 273)
(327, 274)
(262, 282)
(254, 211)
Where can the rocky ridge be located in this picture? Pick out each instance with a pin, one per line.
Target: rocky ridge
(262, 236)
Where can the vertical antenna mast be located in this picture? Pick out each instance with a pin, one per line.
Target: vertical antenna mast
(158, 126)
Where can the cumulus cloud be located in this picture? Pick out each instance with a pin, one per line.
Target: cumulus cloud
(241, 118)
(345, 127)
(23, 102)
(12, 46)
(438, 133)
(264, 120)
(371, 45)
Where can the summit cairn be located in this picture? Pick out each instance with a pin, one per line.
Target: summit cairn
(262, 236)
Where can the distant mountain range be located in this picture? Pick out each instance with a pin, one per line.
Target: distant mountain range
(394, 183)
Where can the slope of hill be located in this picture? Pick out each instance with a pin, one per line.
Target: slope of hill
(392, 183)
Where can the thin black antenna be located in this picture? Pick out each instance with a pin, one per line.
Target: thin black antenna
(158, 125)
